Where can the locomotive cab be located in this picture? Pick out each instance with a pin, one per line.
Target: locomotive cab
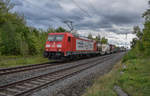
(57, 44)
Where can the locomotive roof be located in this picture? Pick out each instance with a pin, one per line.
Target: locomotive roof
(70, 34)
(63, 33)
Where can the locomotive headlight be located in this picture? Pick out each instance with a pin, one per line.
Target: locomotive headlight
(47, 45)
(59, 45)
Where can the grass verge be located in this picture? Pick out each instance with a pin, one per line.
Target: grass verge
(103, 86)
(133, 76)
(136, 78)
(12, 61)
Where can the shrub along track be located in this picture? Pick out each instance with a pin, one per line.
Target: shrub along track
(30, 85)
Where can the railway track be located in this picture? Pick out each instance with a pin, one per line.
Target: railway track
(6, 71)
(24, 87)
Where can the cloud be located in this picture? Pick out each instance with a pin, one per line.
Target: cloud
(17, 2)
(102, 13)
(98, 16)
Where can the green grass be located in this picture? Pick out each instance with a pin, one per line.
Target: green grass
(135, 79)
(103, 86)
(12, 61)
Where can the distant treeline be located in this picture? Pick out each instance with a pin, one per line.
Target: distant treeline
(98, 39)
(16, 38)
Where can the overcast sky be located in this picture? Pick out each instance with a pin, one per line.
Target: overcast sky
(109, 18)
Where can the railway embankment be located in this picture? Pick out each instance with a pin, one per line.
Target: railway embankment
(131, 76)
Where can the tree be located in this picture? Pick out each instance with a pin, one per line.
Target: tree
(51, 30)
(60, 29)
(16, 38)
(146, 37)
(90, 36)
(137, 31)
(139, 34)
(8, 25)
(146, 15)
(5, 6)
(133, 43)
(146, 32)
(104, 40)
(98, 38)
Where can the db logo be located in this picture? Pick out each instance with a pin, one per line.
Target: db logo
(53, 44)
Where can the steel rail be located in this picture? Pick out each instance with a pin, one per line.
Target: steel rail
(7, 71)
(12, 70)
(50, 80)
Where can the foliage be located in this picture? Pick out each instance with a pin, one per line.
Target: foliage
(125, 76)
(131, 82)
(16, 38)
(146, 15)
(130, 55)
(137, 61)
(133, 43)
(104, 85)
(138, 32)
(90, 36)
(146, 38)
(60, 29)
(12, 61)
(141, 45)
(98, 39)
(104, 40)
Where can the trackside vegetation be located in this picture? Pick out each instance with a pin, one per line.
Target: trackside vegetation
(132, 74)
(16, 38)
(103, 86)
(133, 77)
(20, 44)
(12, 61)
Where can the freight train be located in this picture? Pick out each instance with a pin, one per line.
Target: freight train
(67, 46)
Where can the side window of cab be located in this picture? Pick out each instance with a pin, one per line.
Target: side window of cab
(69, 39)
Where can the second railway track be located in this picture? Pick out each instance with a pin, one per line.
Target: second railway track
(27, 86)
(7, 71)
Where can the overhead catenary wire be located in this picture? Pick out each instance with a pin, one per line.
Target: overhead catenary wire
(95, 9)
(61, 18)
(69, 24)
(81, 8)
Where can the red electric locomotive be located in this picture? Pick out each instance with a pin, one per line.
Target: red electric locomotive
(66, 45)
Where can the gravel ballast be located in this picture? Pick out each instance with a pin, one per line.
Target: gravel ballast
(77, 84)
(6, 79)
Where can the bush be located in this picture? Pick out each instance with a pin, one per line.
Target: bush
(130, 55)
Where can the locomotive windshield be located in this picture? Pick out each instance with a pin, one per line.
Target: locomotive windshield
(55, 37)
